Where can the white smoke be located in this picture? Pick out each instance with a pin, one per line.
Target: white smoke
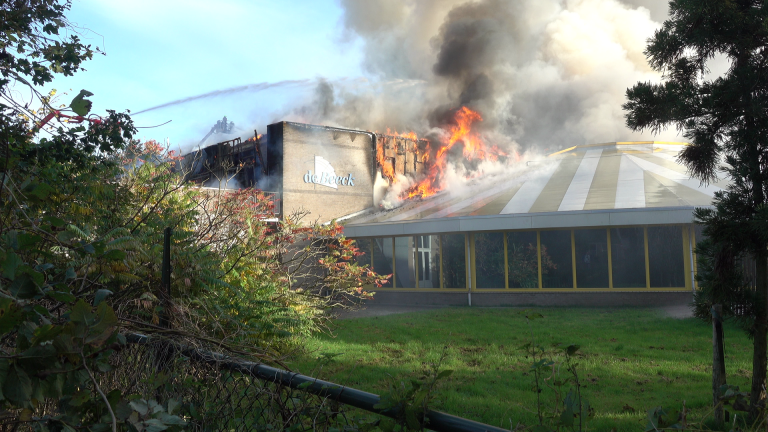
(545, 74)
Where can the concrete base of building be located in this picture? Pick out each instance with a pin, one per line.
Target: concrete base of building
(578, 299)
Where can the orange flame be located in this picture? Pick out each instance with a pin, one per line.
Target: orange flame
(473, 148)
(387, 170)
(410, 135)
(461, 132)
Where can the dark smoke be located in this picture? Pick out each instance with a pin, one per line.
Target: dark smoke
(545, 74)
(332, 106)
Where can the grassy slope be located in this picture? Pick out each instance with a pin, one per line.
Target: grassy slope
(490, 381)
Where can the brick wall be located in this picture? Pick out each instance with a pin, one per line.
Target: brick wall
(293, 148)
(593, 299)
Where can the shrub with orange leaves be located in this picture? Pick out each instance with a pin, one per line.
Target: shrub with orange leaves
(240, 275)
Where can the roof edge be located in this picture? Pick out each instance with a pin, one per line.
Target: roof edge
(527, 221)
(615, 144)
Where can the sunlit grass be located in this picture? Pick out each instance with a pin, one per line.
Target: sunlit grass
(633, 360)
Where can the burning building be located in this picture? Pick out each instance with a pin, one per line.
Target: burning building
(600, 224)
(234, 162)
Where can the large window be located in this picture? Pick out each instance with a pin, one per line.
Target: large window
(628, 257)
(405, 263)
(522, 259)
(556, 259)
(699, 233)
(489, 260)
(454, 261)
(594, 258)
(364, 246)
(665, 256)
(428, 261)
(591, 258)
(382, 258)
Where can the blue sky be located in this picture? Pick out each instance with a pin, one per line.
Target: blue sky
(163, 50)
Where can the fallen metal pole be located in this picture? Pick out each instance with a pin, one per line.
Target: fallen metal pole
(437, 421)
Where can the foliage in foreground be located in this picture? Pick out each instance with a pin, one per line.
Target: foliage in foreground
(81, 261)
(82, 214)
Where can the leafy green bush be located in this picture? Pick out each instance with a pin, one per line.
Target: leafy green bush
(82, 214)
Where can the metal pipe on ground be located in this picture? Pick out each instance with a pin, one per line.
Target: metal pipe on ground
(438, 421)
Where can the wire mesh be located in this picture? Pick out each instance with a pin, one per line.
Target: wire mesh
(214, 396)
(215, 392)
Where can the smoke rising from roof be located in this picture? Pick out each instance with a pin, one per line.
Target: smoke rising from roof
(545, 74)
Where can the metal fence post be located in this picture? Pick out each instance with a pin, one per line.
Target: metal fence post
(164, 353)
(165, 280)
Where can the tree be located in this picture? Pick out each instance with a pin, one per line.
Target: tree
(725, 120)
(82, 213)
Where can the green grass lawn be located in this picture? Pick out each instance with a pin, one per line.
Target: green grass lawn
(633, 359)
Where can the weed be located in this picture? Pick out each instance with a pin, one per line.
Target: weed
(571, 411)
(409, 399)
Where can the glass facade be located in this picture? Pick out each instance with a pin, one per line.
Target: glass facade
(556, 259)
(627, 258)
(522, 259)
(383, 258)
(489, 247)
(428, 261)
(699, 232)
(591, 258)
(666, 265)
(454, 252)
(405, 262)
(365, 247)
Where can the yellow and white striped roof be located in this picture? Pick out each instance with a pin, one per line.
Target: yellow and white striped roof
(592, 178)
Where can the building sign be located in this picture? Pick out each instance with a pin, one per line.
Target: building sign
(325, 175)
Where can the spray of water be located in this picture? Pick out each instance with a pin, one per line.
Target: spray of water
(232, 90)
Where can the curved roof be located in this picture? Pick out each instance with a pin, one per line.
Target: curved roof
(607, 178)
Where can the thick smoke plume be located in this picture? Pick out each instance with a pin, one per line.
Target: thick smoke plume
(545, 74)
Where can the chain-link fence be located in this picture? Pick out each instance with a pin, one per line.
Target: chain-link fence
(216, 393)
(220, 393)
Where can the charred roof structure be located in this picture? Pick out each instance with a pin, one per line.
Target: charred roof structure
(234, 163)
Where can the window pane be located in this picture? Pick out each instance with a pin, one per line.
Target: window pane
(628, 257)
(364, 248)
(489, 260)
(454, 261)
(523, 259)
(382, 258)
(591, 258)
(557, 267)
(699, 233)
(665, 256)
(405, 266)
(428, 261)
